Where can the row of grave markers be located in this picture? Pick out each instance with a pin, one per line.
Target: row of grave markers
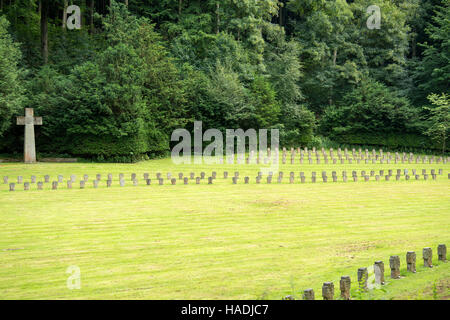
(365, 175)
(363, 274)
(359, 156)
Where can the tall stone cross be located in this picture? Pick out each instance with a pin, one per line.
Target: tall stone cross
(29, 121)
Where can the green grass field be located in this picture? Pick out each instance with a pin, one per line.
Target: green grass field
(219, 241)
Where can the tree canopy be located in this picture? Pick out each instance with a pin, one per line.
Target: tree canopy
(136, 70)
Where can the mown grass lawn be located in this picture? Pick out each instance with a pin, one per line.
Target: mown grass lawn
(219, 241)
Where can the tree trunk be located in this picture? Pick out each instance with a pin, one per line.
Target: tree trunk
(64, 19)
(180, 8)
(443, 146)
(44, 31)
(334, 65)
(217, 17)
(126, 3)
(91, 17)
(281, 16)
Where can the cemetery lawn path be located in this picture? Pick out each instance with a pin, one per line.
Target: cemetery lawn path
(219, 241)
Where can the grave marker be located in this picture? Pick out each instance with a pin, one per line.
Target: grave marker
(345, 285)
(363, 275)
(442, 252)
(328, 291)
(29, 121)
(427, 257)
(411, 261)
(378, 267)
(394, 264)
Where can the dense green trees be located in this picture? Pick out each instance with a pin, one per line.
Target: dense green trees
(139, 69)
(11, 87)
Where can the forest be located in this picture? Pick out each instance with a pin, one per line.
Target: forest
(117, 87)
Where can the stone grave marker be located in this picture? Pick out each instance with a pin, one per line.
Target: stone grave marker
(345, 285)
(427, 257)
(394, 264)
(378, 267)
(442, 252)
(328, 291)
(29, 121)
(363, 275)
(411, 261)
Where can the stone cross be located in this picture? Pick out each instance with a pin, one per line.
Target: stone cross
(29, 121)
